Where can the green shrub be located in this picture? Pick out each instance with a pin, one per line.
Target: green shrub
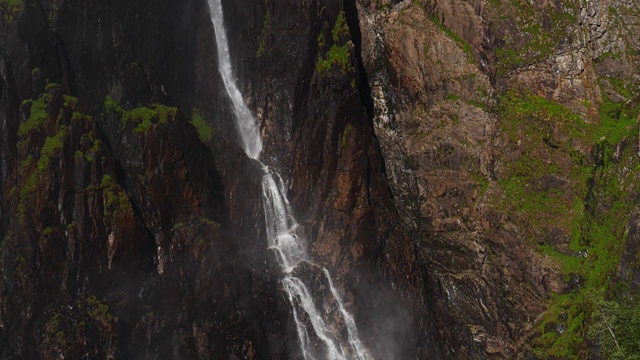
(205, 131)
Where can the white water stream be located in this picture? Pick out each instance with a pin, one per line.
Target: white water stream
(322, 333)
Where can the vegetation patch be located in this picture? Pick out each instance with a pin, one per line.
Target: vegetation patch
(52, 146)
(338, 56)
(37, 117)
(468, 51)
(340, 29)
(91, 154)
(205, 131)
(266, 31)
(144, 117)
(345, 135)
(592, 207)
(10, 9)
(98, 310)
(115, 200)
(531, 32)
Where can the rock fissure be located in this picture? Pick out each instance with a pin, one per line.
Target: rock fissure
(364, 88)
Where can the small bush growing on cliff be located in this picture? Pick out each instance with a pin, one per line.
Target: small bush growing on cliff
(143, 116)
(266, 30)
(116, 201)
(38, 115)
(338, 55)
(614, 326)
(205, 131)
(10, 8)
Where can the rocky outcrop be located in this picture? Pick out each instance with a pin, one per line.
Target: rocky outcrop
(482, 109)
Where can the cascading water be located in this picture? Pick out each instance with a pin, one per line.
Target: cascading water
(321, 334)
(246, 124)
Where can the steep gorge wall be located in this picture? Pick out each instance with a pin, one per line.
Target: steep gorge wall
(505, 128)
(132, 225)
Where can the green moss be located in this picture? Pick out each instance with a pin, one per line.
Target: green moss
(205, 131)
(178, 226)
(266, 31)
(165, 113)
(150, 316)
(209, 222)
(46, 231)
(70, 101)
(144, 117)
(508, 59)
(115, 201)
(111, 105)
(338, 56)
(597, 241)
(195, 221)
(97, 310)
(141, 115)
(616, 121)
(51, 86)
(37, 117)
(321, 41)
(345, 135)
(340, 29)
(526, 110)
(52, 326)
(93, 151)
(10, 9)
(529, 41)
(26, 163)
(52, 146)
(468, 50)
(52, 13)
(621, 86)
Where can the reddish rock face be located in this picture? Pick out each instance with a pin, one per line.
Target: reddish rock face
(448, 81)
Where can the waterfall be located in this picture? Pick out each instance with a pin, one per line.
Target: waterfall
(322, 333)
(245, 123)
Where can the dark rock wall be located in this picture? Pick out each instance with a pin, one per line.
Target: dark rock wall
(124, 236)
(129, 234)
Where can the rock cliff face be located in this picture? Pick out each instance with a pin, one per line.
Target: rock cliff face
(466, 169)
(132, 222)
(503, 126)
